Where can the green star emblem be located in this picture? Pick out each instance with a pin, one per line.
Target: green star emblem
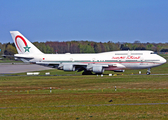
(27, 48)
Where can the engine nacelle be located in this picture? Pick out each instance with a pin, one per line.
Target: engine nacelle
(119, 70)
(69, 68)
(98, 69)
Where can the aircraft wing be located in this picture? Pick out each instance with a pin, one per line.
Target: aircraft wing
(73, 66)
(59, 65)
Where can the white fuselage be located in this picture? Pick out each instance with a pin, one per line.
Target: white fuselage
(96, 62)
(122, 59)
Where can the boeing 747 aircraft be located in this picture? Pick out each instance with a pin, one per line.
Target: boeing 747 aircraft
(95, 62)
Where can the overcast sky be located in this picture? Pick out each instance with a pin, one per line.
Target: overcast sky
(93, 20)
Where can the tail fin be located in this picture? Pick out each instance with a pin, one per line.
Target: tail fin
(23, 45)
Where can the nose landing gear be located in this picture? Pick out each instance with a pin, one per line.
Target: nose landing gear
(148, 71)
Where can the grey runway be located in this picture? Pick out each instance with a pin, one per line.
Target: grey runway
(9, 68)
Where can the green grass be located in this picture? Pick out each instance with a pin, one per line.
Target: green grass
(84, 92)
(85, 97)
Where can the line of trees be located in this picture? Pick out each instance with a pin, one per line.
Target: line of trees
(86, 47)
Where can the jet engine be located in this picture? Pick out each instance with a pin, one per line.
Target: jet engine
(69, 68)
(98, 69)
(119, 70)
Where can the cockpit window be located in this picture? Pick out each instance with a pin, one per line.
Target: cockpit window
(152, 53)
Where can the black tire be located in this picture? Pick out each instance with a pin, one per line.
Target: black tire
(87, 73)
(148, 73)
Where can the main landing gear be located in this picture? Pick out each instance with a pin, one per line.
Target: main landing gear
(148, 71)
(87, 73)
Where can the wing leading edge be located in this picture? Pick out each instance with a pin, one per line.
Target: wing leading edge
(96, 68)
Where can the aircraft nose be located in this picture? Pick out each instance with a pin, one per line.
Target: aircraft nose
(163, 60)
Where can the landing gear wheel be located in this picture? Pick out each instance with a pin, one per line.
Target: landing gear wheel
(87, 73)
(148, 73)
